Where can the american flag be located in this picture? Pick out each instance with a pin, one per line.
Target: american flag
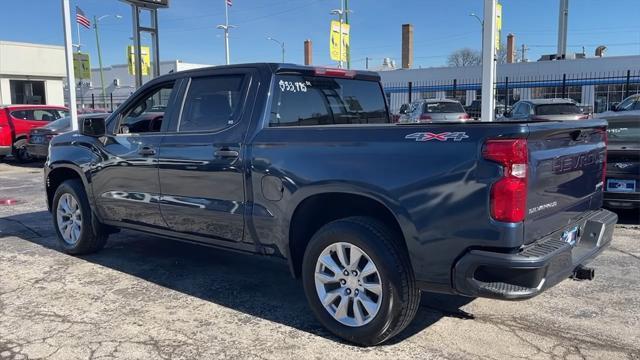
(229, 2)
(83, 20)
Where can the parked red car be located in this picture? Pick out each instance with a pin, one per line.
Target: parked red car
(17, 120)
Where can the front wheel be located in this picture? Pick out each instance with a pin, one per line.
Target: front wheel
(358, 281)
(77, 231)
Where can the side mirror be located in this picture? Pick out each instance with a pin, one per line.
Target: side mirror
(94, 127)
(507, 114)
(614, 106)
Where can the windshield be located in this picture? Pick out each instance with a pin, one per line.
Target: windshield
(557, 109)
(624, 131)
(443, 107)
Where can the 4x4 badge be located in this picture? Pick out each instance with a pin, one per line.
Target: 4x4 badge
(428, 136)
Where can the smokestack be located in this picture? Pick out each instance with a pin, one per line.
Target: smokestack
(308, 52)
(563, 28)
(407, 46)
(511, 48)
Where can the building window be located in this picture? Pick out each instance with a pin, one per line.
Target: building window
(27, 92)
(607, 95)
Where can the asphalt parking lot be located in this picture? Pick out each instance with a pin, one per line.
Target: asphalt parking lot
(148, 298)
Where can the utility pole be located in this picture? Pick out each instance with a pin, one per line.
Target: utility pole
(488, 60)
(524, 53)
(68, 51)
(226, 28)
(366, 63)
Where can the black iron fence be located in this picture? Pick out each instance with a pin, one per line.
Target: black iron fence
(96, 103)
(596, 92)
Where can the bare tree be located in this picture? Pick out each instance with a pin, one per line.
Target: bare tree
(501, 55)
(464, 57)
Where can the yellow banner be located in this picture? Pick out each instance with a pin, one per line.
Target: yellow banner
(146, 60)
(81, 66)
(334, 41)
(498, 25)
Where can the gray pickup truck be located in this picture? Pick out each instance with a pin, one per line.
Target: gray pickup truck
(304, 164)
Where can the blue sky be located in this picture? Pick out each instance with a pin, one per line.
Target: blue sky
(187, 28)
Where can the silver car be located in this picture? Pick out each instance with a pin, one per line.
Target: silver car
(544, 109)
(432, 110)
(629, 107)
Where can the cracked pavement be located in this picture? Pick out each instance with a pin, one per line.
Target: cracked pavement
(144, 297)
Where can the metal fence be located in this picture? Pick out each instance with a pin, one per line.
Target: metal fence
(596, 92)
(96, 103)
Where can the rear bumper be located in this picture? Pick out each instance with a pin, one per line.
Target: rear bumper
(622, 200)
(38, 150)
(5, 150)
(539, 266)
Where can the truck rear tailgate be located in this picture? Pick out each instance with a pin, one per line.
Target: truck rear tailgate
(566, 168)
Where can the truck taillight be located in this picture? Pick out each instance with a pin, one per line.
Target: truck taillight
(464, 117)
(508, 199)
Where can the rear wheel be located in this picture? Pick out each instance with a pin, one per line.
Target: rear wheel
(358, 281)
(20, 151)
(78, 232)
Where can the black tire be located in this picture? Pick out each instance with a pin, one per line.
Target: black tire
(400, 296)
(20, 152)
(93, 235)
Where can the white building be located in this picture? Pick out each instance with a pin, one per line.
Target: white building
(31, 73)
(119, 84)
(592, 82)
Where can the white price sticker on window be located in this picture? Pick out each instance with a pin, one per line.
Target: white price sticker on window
(293, 86)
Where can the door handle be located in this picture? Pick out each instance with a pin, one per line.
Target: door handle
(147, 151)
(226, 153)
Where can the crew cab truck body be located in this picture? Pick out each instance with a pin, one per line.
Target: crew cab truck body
(303, 164)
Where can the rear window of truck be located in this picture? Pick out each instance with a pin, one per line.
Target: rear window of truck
(624, 131)
(557, 109)
(443, 107)
(313, 100)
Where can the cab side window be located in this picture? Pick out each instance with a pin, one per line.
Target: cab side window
(146, 115)
(212, 103)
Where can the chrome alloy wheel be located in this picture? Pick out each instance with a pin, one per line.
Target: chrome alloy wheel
(69, 218)
(348, 284)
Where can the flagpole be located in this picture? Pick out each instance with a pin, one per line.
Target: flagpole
(226, 31)
(68, 51)
(78, 29)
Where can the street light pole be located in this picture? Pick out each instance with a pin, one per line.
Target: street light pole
(281, 43)
(481, 24)
(95, 27)
(226, 28)
(341, 14)
(96, 21)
